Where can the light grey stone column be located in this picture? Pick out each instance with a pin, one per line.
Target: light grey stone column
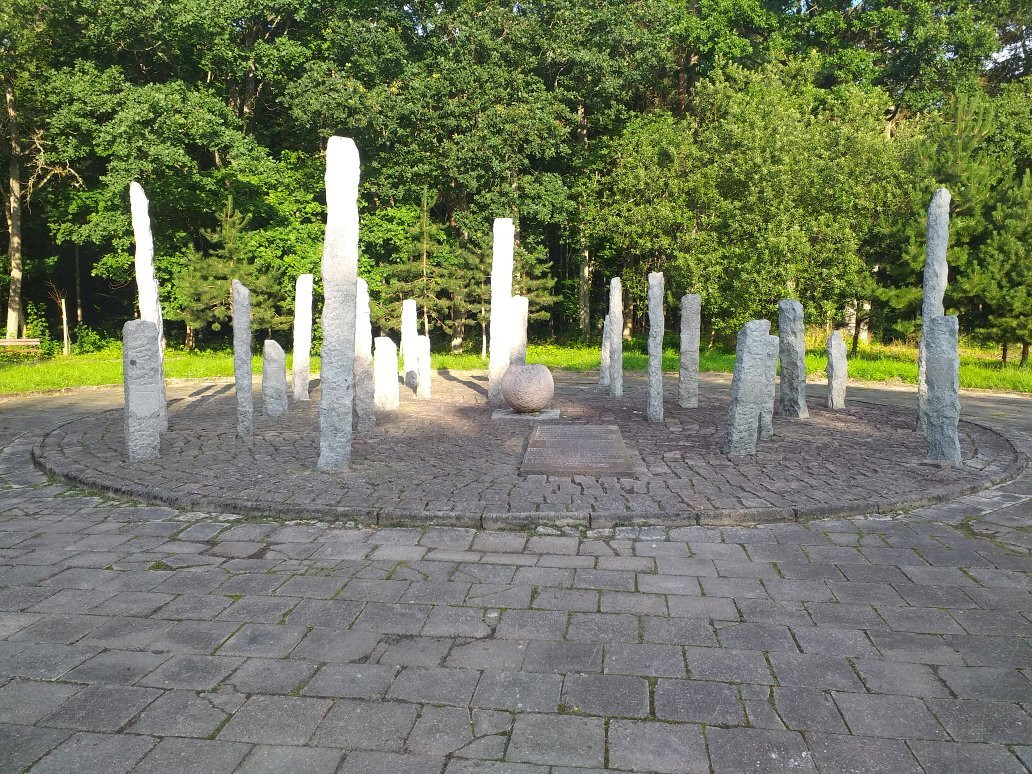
(793, 359)
(339, 275)
(147, 282)
(654, 402)
(942, 404)
(386, 392)
(274, 379)
(691, 322)
(838, 371)
(936, 272)
(142, 421)
(603, 368)
(302, 334)
(770, 375)
(422, 347)
(365, 413)
(615, 338)
(409, 331)
(501, 305)
(748, 388)
(520, 310)
(242, 358)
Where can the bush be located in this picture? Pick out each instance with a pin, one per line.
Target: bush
(37, 327)
(88, 340)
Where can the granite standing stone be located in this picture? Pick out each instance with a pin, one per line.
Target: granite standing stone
(274, 379)
(942, 405)
(386, 391)
(838, 371)
(770, 375)
(409, 331)
(520, 310)
(147, 283)
(691, 323)
(654, 403)
(603, 368)
(365, 413)
(748, 388)
(140, 352)
(340, 275)
(423, 370)
(302, 334)
(242, 358)
(501, 305)
(936, 272)
(793, 359)
(615, 338)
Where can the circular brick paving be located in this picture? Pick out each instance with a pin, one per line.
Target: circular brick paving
(446, 461)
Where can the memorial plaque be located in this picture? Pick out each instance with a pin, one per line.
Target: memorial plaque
(574, 450)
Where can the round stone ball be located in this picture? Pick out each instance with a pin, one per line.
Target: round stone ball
(527, 388)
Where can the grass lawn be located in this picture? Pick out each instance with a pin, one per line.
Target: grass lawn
(979, 368)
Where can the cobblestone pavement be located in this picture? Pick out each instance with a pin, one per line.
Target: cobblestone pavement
(142, 638)
(446, 461)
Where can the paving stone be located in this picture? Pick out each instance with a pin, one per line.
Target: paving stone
(602, 627)
(648, 660)
(26, 701)
(392, 619)
(559, 740)
(180, 713)
(861, 755)
(435, 686)
(739, 750)
(331, 645)
(366, 725)
(356, 681)
(518, 691)
(271, 759)
(677, 631)
(953, 758)
(265, 640)
(390, 763)
(698, 702)
(440, 731)
(991, 683)
(893, 717)
(746, 666)
(87, 753)
(659, 747)
(609, 695)
(271, 675)
(275, 720)
(23, 745)
(200, 673)
(455, 622)
(101, 707)
(194, 637)
(806, 709)
(973, 720)
(43, 661)
(703, 607)
(900, 678)
(563, 657)
(192, 755)
(488, 654)
(836, 642)
(917, 648)
(333, 614)
(58, 629)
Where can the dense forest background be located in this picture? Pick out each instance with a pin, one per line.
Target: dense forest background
(750, 149)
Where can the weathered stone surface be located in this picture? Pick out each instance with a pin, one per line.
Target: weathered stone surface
(615, 338)
(838, 371)
(793, 359)
(423, 369)
(654, 402)
(365, 414)
(691, 321)
(386, 391)
(527, 388)
(566, 450)
(242, 358)
(936, 274)
(302, 334)
(942, 403)
(339, 274)
(409, 331)
(520, 310)
(770, 374)
(501, 317)
(603, 369)
(748, 388)
(140, 352)
(147, 282)
(274, 379)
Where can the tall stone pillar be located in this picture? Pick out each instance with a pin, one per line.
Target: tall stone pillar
(365, 414)
(615, 338)
(409, 331)
(520, 309)
(274, 379)
(603, 368)
(386, 392)
(242, 358)
(793, 359)
(654, 402)
(770, 375)
(147, 282)
(838, 371)
(501, 317)
(339, 275)
(423, 369)
(691, 322)
(142, 421)
(936, 274)
(302, 334)
(748, 388)
(942, 400)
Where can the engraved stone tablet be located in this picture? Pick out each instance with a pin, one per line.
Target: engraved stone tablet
(571, 450)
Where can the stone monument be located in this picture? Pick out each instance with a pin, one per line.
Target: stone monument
(423, 370)
(386, 392)
(528, 389)
(409, 331)
(501, 317)
(365, 413)
(603, 368)
(654, 403)
(936, 273)
(339, 275)
(838, 371)
(748, 388)
(793, 359)
(274, 379)
(242, 358)
(302, 334)
(615, 338)
(942, 400)
(770, 375)
(140, 353)
(147, 283)
(520, 310)
(691, 323)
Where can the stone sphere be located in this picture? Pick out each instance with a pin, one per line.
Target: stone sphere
(527, 388)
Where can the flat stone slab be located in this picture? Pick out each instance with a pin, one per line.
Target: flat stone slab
(577, 450)
(541, 416)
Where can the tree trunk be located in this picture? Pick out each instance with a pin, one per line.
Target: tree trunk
(458, 332)
(483, 333)
(1024, 354)
(78, 288)
(584, 294)
(12, 209)
(426, 317)
(191, 339)
(67, 339)
(1005, 354)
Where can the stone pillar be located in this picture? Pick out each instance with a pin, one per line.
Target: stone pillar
(423, 370)
(501, 317)
(520, 310)
(386, 393)
(147, 283)
(615, 338)
(748, 388)
(936, 272)
(339, 275)
(274, 379)
(603, 367)
(365, 414)
(838, 371)
(691, 322)
(942, 402)
(242, 358)
(793, 359)
(142, 388)
(654, 402)
(409, 331)
(770, 375)
(302, 334)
